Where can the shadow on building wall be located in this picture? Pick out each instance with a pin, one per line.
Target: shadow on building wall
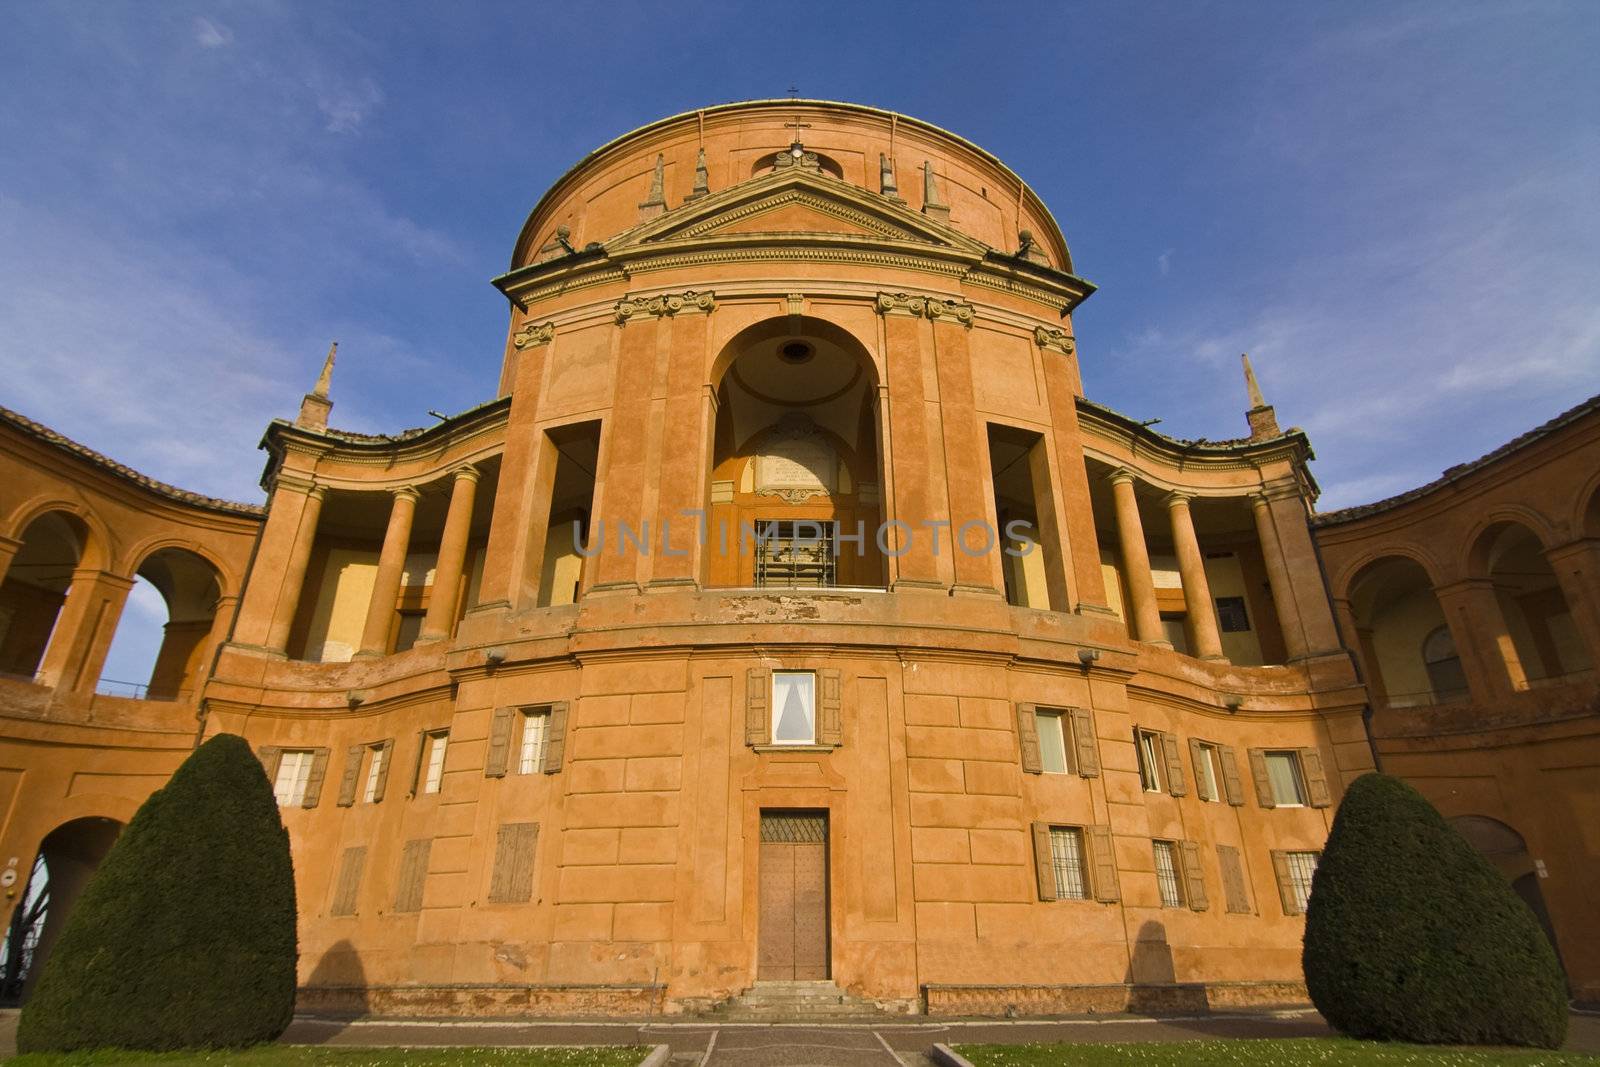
(336, 987)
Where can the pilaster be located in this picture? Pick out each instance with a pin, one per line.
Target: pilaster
(1577, 567)
(82, 637)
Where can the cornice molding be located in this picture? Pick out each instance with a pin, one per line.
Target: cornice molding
(629, 307)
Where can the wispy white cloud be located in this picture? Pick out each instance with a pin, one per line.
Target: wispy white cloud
(1164, 262)
(209, 34)
(346, 104)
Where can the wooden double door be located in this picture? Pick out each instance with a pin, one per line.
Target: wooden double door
(794, 897)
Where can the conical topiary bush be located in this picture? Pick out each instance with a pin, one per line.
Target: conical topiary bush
(185, 936)
(1411, 935)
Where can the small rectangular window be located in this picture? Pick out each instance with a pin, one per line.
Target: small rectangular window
(1053, 732)
(1231, 614)
(294, 770)
(1167, 875)
(433, 775)
(1148, 743)
(1205, 771)
(1302, 869)
(794, 708)
(375, 757)
(1288, 786)
(535, 732)
(1066, 856)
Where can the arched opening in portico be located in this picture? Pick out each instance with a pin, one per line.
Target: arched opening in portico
(795, 493)
(1405, 643)
(35, 588)
(1507, 852)
(161, 640)
(1540, 640)
(67, 858)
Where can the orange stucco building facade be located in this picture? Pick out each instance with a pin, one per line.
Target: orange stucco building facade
(788, 622)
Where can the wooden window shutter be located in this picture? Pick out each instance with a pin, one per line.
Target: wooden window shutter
(1286, 894)
(422, 754)
(1084, 743)
(270, 756)
(831, 712)
(1197, 758)
(1177, 784)
(387, 751)
(1232, 784)
(349, 883)
(757, 718)
(314, 780)
(1258, 771)
(494, 764)
(1103, 860)
(413, 874)
(1233, 879)
(1028, 738)
(1044, 864)
(512, 881)
(1316, 778)
(352, 777)
(555, 738)
(1194, 881)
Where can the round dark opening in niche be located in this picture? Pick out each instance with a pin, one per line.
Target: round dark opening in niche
(796, 352)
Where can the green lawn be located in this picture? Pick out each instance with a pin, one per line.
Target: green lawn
(325, 1056)
(1334, 1052)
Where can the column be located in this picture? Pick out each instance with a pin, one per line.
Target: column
(294, 569)
(1483, 641)
(1577, 567)
(1283, 601)
(1196, 590)
(1080, 546)
(1358, 639)
(914, 500)
(510, 564)
(444, 600)
(681, 472)
(1303, 568)
(9, 547)
(620, 482)
(391, 563)
(965, 459)
(83, 631)
(1144, 616)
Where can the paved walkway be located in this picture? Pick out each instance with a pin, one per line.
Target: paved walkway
(875, 1042)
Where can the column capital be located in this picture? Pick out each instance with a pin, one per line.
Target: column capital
(1177, 497)
(1052, 338)
(467, 473)
(1121, 474)
(406, 492)
(295, 483)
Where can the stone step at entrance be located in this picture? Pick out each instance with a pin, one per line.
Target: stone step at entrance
(777, 1001)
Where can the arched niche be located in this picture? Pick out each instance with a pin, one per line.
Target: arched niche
(53, 546)
(1405, 642)
(163, 634)
(796, 470)
(1543, 637)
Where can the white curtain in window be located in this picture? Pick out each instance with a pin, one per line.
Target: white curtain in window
(794, 707)
(1052, 744)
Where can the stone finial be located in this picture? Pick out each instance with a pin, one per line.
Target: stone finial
(887, 184)
(702, 179)
(932, 206)
(656, 203)
(1028, 249)
(1262, 418)
(315, 405)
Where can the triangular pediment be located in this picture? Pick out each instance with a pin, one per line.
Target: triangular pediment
(795, 203)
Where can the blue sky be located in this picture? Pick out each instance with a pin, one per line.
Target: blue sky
(1392, 207)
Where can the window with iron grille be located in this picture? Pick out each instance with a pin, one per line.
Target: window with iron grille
(1302, 868)
(1167, 875)
(1066, 856)
(795, 553)
(1231, 614)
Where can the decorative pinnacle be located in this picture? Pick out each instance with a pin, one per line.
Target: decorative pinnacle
(656, 202)
(1256, 399)
(702, 179)
(325, 379)
(887, 185)
(931, 204)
